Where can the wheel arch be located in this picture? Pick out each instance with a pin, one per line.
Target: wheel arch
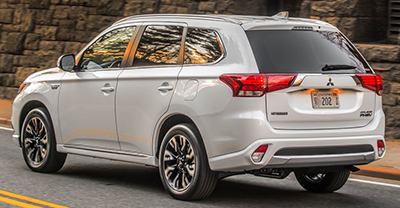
(167, 123)
(27, 108)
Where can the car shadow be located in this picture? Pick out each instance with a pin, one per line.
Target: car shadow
(235, 191)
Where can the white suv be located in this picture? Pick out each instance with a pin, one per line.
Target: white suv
(203, 97)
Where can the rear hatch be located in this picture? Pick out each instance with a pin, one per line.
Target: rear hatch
(332, 86)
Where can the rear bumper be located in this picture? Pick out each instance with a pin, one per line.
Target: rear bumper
(241, 161)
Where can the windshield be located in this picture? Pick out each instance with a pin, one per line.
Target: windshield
(290, 51)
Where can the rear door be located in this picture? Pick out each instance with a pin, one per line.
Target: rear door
(146, 88)
(328, 91)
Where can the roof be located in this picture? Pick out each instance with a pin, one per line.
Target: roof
(248, 22)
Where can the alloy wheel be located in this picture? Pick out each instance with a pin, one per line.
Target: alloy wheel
(36, 142)
(179, 163)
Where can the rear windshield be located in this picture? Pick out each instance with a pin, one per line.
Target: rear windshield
(291, 51)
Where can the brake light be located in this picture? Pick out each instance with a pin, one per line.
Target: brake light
(381, 148)
(372, 82)
(256, 85)
(258, 155)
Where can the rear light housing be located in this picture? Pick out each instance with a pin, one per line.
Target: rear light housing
(256, 85)
(372, 82)
(381, 148)
(258, 155)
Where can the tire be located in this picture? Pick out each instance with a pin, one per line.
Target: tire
(323, 182)
(39, 144)
(185, 174)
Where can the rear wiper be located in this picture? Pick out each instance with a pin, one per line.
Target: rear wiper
(337, 67)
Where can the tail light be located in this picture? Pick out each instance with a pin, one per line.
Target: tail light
(258, 155)
(256, 85)
(372, 82)
(381, 148)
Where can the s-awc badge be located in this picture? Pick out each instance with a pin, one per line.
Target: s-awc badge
(365, 113)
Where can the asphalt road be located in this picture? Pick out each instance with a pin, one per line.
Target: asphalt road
(90, 182)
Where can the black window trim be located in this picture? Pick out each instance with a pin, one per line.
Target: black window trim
(79, 56)
(132, 53)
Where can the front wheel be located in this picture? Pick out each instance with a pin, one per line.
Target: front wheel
(184, 168)
(322, 182)
(39, 143)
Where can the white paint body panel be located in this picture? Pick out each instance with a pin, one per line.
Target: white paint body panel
(125, 124)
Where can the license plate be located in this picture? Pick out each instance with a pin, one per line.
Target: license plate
(324, 99)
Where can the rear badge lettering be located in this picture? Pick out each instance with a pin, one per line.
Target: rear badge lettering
(365, 113)
(279, 113)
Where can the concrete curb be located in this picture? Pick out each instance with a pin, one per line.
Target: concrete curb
(379, 172)
(5, 121)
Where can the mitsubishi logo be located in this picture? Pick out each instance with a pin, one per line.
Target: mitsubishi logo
(330, 83)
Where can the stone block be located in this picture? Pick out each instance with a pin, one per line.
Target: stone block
(32, 41)
(46, 32)
(182, 10)
(66, 30)
(389, 100)
(7, 80)
(61, 12)
(395, 88)
(39, 4)
(132, 9)
(323, 8)
(99, 22)
(15, 43)
(167, 9)
(51, 46)
(380, 52)
(207, 6)
(6, 15)
(43, 17)
(6, 63)
(8, 93)
(23, 73)
(73, 47)
(110, 7)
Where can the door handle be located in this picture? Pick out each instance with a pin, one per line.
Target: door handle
(165, 88)
(107, 88)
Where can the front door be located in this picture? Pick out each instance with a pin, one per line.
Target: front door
(87, 96)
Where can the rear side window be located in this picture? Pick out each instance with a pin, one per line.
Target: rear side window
(202, 46)
(292, 51)
(159, 45)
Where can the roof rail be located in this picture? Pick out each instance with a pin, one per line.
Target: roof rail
(211, 17)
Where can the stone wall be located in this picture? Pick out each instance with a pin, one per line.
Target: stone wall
(34, 33)
(360, 20)
(385, 60)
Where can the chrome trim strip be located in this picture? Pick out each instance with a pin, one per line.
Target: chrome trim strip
(111, 151)
(291, 157)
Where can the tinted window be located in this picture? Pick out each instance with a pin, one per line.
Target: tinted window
(159, 45)
(304, 52)
(202, 46)
(107, 51)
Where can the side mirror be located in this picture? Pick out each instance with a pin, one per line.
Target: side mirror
(66, 62)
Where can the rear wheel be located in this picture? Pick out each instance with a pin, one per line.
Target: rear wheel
(184, 168)
(323, 182)
(39, 143)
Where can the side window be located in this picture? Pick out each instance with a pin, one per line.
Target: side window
(107, 51)
(159, 45)
(202, 46)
